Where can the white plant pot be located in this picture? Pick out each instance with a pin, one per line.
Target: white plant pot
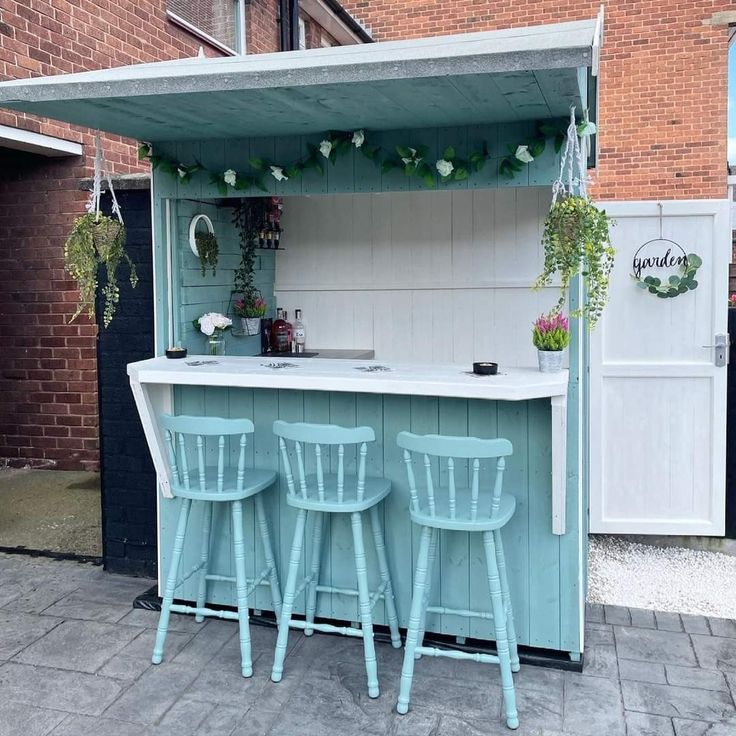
(251, 325)
(550, 361)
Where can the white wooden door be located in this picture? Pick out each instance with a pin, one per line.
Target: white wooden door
(657, 399)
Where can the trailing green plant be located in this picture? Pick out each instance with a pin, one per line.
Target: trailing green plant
(675, 285)
(208, 251)
(577, 240)
(97, 240)
(248, 216)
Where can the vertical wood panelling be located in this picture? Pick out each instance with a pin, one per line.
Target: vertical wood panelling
(542, 572)
(417, 275)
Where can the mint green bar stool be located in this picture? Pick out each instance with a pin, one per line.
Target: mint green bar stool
(187, 443)
(323, 493)
(466, 508)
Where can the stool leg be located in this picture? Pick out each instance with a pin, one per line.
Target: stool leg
(204, 559)
(241, 586)
(273, 576)
(168, 599)
(507, 601)
(499, 623)
(415, 617)
(393, 619)
(316, 556)
(366, 620)
(288, 604)
(433, 543)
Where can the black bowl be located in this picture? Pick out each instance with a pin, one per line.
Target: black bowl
(484, 368)
(176, 353)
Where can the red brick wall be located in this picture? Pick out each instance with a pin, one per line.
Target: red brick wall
(663, 82)
(48, 368)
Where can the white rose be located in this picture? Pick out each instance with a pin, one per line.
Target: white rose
(182, 172)
(230, 177)
(278, 173)
(221, 321)
(444, 167)
(413, 159)
(358, 138)
(325, 148)
(522, 153)
(206, 325)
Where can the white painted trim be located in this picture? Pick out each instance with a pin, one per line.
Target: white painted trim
(559, 463)
(337, 28)
(194, 30)
(169, 276)
(410, 286)
(46, 145)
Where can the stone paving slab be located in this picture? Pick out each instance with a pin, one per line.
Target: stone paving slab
(75, 660)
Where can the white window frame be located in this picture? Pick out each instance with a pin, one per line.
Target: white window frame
(211, 40)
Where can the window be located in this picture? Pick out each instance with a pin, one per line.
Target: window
(219, 22)
(302, 34)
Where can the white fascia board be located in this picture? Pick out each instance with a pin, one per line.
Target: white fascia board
(45, 145)
(322, 15)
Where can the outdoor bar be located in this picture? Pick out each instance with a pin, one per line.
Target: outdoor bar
(425, 268)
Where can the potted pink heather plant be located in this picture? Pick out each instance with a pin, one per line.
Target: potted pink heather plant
(551, 335)
(251, 309)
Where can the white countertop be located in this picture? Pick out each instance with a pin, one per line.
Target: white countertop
(315, 374)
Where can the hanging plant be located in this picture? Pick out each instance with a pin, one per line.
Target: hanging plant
(576, 241)
(97, 240)
(248, 216)
(207, 250)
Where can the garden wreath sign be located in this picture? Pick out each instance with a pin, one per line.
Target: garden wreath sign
(662, 267)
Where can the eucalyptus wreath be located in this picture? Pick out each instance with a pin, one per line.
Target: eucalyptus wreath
(97, 240)
(208, 250)
(576, 241)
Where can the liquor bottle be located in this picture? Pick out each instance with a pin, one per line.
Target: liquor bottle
(276, 235)
(269, 237)
(290, 328)
(261, 239)
(300, 333)
(280, 333)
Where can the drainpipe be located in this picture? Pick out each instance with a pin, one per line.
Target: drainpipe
(284, 24)
(294, 24)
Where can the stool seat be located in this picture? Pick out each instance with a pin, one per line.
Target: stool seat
(255, 482)
(376, 489)
(463, 521)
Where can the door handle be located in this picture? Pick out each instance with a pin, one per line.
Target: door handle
(721, 346)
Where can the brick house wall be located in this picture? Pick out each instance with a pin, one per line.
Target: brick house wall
(663, 82)
(48, 368)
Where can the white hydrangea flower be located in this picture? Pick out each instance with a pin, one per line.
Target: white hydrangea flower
(358, 138)
(277, 172)
(230, 177)
(206, 325)
(522, 153)
(445, 167)
(325, 148)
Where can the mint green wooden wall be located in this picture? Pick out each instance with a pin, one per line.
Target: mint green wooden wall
(539, 561)
(195, 294)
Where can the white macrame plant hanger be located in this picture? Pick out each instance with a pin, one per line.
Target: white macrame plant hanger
(573, 176)
(101, 171)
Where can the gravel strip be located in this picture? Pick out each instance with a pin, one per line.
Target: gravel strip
(663, 578)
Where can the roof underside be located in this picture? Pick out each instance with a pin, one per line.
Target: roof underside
(491, 77)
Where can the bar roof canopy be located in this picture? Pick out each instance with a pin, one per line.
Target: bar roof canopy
(490, 77)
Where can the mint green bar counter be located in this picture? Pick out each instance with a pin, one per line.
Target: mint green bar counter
(544, 540)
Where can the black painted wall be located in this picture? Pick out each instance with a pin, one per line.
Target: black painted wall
(128, 478)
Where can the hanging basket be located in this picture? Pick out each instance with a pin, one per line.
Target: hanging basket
(251, 325)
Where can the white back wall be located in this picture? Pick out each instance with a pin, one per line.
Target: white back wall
(417, 276)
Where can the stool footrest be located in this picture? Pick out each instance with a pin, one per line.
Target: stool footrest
(220, 578)
(459, 612)
(454, 654)
(327, 628)
(181, 608)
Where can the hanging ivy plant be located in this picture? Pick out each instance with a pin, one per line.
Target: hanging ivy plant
(208, 250)
(97, 240)
(248, 216)
(576, 241)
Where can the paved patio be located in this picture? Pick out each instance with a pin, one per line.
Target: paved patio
(75, 659)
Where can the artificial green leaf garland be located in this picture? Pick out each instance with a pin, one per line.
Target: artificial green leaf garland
(413, 161)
